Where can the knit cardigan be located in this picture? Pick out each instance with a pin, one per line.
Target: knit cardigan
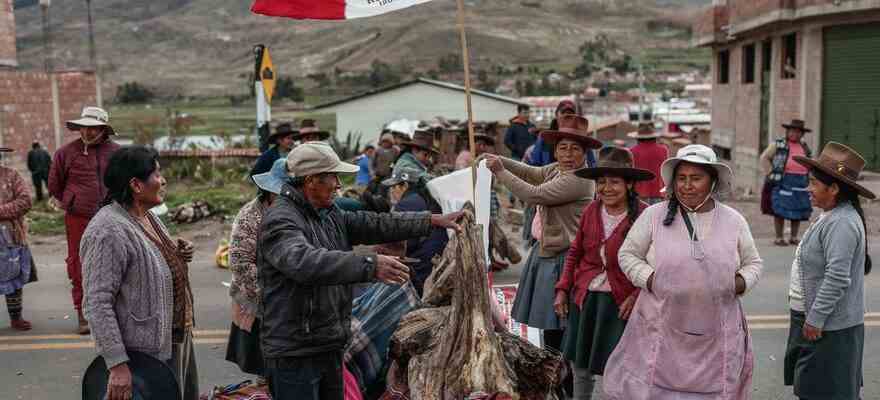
(584, 263)
(128, 287)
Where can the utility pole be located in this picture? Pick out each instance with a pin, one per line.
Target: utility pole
(49, 65)
(641, 93)
(93, 56)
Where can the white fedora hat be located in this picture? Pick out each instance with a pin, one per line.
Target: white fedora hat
(698, 154)
(92, 116)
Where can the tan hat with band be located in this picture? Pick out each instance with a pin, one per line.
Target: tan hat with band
(315, 158)
(842, 163)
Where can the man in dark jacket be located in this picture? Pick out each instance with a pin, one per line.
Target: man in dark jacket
(521, 134)
(38, 162)
(282, 141)
(76, 184)
(307, 269)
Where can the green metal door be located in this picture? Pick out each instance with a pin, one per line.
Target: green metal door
(851, 91)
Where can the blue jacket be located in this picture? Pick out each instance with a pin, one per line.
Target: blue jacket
(518, 138)
(363, 175)
(264, 163)
(424, 248)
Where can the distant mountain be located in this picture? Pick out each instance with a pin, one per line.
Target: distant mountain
(203, 47)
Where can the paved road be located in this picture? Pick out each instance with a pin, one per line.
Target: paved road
(47, 362)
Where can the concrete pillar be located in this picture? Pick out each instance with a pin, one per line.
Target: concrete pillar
(56, 110)
(811, 82)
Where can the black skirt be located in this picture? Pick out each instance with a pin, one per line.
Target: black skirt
(593, 332)
(244, 349)
(827, 369)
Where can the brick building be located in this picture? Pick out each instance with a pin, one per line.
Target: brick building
(35, 104)
(775, 60)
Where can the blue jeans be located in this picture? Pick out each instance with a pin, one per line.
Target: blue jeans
(317, 377)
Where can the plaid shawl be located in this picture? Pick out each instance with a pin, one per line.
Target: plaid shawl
(375, 315)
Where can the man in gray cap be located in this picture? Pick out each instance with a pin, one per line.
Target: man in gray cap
(307, 269)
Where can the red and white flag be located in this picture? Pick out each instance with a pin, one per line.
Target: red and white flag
(329, 9)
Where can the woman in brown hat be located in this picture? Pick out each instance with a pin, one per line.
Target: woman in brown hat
(420, 152)
(593, 292)
(560, 197)
(310, 132)
(827, 288)
(15, 202)
(282, 142)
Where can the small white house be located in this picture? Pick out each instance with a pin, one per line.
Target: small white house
(420, 99)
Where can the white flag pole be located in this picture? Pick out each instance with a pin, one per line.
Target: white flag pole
(465, 58)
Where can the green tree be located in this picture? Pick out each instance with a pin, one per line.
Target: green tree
(286, 89)
(133, 92)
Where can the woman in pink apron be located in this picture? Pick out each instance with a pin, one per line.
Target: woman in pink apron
(687, 338)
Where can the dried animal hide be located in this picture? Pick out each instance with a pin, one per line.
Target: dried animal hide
(537, 370)
(465, 356)
(450, 351)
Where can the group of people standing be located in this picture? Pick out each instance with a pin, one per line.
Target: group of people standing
(647, 295)
(669, 324)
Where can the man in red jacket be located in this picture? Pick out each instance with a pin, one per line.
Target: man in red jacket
(76, 184)
(649, 155)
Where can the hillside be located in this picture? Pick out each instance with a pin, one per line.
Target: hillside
(203, 47)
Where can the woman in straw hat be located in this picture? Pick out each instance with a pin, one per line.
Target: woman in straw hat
(687, 337)
(592, 291)
(827, 289)
(560, 197)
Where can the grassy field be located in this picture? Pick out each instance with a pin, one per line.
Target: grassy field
(212, 116)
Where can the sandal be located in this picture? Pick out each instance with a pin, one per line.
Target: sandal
(794, 242)
(780, 242)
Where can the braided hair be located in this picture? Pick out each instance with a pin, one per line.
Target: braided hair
(125, 164)
(847, 194)
(674, 204)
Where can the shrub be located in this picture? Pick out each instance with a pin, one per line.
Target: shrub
(133, 92)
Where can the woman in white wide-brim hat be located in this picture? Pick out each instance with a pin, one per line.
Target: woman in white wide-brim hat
(687, 337)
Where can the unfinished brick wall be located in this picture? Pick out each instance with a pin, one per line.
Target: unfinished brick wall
(26, 109)
(736, 114)
(787, 92)
(8, 56)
